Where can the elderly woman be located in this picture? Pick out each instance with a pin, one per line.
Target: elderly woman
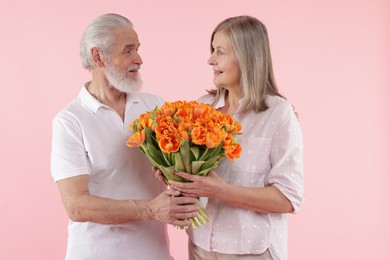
(249, 198)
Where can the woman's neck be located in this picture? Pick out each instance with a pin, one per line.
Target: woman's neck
(232, 102)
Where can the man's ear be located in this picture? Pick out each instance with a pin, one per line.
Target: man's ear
(97, 57)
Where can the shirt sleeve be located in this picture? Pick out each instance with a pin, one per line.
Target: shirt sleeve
(68, 155)
(286, 156)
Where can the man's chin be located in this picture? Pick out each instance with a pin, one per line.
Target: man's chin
(128, 88)
(131, 90)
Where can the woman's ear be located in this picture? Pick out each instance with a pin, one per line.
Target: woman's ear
(97, 57)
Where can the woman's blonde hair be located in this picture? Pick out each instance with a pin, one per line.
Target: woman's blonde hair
(249, 39)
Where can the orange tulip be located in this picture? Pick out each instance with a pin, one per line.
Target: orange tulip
(214, 135)
(213, 140)
(227, 139)
(183, 133)
(136, 139)
(165, 125)
(193, 122)
(169, 143)
(198, 135)
(167, 110)
(232, 151)
(145, 120)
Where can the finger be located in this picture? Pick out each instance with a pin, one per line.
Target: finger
(187, 176)
(212, 173)
(157, 174)
(172, 192)
(189, 195)
(161, 179)
(182, 222)
(182, 216)
(187, 201)
(182, 191)
(181, 185)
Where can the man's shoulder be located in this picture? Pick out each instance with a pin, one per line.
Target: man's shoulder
(148, 99)
(70, 110)
(146, 95)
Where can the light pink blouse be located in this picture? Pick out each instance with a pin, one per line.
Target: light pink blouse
(272, 154)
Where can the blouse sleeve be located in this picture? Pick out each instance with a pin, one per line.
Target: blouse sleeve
(286, 156)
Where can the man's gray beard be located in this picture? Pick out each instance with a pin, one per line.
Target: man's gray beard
(119, 80)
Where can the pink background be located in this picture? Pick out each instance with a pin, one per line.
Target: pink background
(332, 61)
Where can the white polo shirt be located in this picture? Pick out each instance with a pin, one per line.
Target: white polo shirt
(90, 138)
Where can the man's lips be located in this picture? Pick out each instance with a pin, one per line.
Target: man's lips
(133, 69)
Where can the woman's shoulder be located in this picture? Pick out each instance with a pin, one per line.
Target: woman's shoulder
(281, 106)
(274, 102)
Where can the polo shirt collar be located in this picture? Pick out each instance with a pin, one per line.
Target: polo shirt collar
(93, 104)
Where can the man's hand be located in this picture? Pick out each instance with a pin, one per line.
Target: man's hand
(169, 207)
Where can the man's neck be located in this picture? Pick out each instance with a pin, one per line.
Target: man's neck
(105, 93)
(100, 89)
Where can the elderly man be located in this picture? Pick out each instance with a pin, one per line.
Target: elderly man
(117, 209)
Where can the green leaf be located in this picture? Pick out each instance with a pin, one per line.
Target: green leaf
(204, 155)
(169, 174)
(155, 154)
(215, 151)
(185, 155)
(178, 162)
(148, 135)
(205, 171)
(167, 158)
(195, 152)
(153, 114)
(210, 163)
(196, 165)
(143, 148)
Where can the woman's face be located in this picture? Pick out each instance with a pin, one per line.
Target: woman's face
(226, 70)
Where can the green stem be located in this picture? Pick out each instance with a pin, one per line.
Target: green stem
(204, 154)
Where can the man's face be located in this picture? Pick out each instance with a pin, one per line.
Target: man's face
(123, 61)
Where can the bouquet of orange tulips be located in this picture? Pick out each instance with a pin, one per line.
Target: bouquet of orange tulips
(186, 136)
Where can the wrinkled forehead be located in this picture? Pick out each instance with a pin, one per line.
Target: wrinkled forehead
(123, 37)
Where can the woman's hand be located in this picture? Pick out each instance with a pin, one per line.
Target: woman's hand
(158, 174)
(210, 186)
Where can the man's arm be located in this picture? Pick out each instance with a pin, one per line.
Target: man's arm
(81, 206)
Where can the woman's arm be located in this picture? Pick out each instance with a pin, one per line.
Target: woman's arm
(266, 200)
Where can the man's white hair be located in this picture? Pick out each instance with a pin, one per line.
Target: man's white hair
(99, 34)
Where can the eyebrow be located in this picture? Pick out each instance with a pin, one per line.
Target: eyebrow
(131, 46)
(219, 47)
